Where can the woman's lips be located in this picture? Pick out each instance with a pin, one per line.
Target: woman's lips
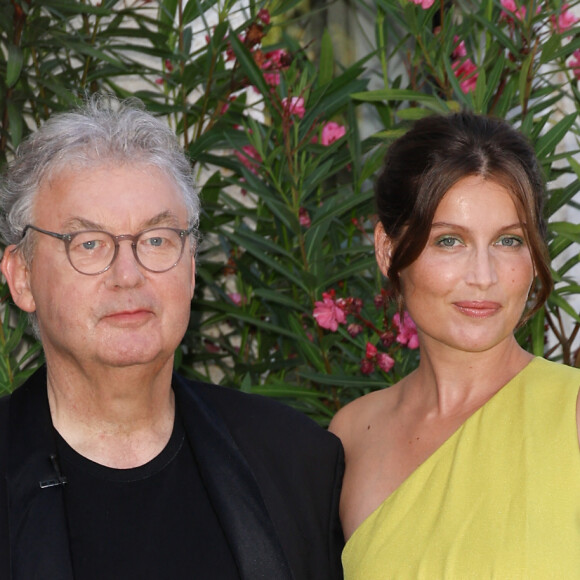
(477, 309)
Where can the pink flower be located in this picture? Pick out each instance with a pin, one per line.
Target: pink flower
(264, 16)
(249, 157)
(332, 131)
(304, 217)
(276, 60)
(385, 362)
(459, 51)
(354, 329)
(230, 54)
(236, 298)
(565, 20)
(366, 367)
(371, 351)
(226, 105)
(407, 334)
(294, 106)
(574, 64)
(387, 338)
(425, 4)
(272, 79)
(327, 314)
(466, 73)
(511, 9)
(211, 346)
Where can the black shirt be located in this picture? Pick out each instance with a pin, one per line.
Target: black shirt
(150, 522)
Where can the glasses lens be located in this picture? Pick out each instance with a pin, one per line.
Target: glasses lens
(91, 252)
(159, 249)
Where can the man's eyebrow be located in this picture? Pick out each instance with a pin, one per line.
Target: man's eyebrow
(165, 218)
(77, 223)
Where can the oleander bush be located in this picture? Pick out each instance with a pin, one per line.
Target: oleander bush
(289, 302)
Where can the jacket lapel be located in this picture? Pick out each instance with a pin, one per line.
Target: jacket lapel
(36, 514)
(232, 489)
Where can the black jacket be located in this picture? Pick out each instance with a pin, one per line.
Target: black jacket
(273, 477)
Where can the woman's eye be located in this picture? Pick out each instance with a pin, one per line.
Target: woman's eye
(447, 242)
(510, 241)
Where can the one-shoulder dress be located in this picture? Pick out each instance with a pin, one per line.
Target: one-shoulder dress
(500, 499)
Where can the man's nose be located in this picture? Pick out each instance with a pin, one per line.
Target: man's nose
(125, 271)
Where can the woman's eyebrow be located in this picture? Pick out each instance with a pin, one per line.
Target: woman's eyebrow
(443, 225)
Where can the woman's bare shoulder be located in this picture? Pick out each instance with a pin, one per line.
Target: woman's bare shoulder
(362, 411)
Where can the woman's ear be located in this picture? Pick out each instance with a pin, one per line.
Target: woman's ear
(17, 275)
(383, 249)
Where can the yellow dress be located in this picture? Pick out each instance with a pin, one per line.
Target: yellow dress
(500, 499)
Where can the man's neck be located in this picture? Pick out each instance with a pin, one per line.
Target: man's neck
(118, 417)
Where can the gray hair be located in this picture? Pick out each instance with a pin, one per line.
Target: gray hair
(104, 130)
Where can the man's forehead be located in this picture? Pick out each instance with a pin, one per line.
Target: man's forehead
(89, 197)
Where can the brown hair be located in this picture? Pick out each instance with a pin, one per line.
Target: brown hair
(436, 153)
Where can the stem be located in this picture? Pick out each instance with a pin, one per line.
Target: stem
(529, 79)
(182, 71)
(92, 42)
(382, 46)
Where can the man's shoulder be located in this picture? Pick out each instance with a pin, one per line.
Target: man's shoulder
(249, 411)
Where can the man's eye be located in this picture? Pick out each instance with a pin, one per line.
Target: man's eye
(84, 245)
(156, 242)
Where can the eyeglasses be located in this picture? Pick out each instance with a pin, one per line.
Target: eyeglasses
(92, 252)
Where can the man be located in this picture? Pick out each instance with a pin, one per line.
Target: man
(112, 467)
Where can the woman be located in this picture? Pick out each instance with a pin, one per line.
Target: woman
(469, 467)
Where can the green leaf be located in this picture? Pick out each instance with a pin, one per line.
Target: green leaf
(398, 95)
(279, 298)
(326, 67)
(556, 300)
(248, 65)
(15, 124)
(308, 349)
(236, 313)
(363, 265)
(256, 248)
(570, 229)
(536, 325)
(13, 65)
(548, 142)
(524, 80)
(342, 380)
(412, 113)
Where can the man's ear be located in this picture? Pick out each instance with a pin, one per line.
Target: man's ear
(17, 275)
(383, 249)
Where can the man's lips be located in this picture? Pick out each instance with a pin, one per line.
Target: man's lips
(477, 308)
(128, 317)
